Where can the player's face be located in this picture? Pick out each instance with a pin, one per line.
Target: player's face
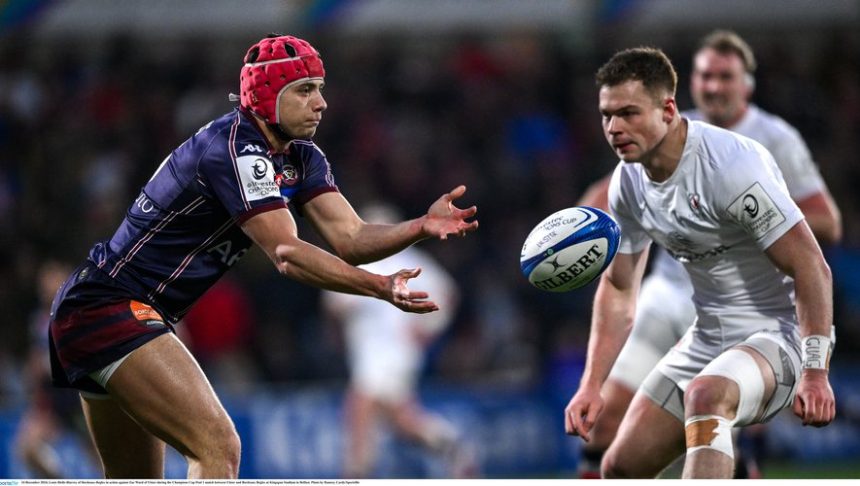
(300, 109)
(719, 86)
(634, 123)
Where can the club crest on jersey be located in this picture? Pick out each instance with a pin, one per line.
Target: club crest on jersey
(693, 200)
(288, 177)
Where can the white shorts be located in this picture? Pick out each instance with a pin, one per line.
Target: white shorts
(664, 312)
(384, 358)
(775, 338)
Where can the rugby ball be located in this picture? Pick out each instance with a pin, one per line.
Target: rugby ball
(569, 248)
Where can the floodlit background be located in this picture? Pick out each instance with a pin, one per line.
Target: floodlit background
(422, 95)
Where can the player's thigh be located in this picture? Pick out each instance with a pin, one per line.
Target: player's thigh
(664, 312)
(163, 388)
(649, 439)
(125, 448)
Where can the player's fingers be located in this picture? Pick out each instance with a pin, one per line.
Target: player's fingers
(467, 213)
(808, 408)
(590, 418)
(420, 307)
(812, 412)
(408, 273)
(418, 295)
(578, 428)
(797, 406)
(826, 412)
(456, 192)
(470, 226)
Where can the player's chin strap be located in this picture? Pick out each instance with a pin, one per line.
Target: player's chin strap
(276, 129)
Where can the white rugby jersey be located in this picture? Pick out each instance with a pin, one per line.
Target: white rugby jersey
(722, 207)
(791, 154)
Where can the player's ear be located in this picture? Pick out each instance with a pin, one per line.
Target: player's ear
(670, 109)
(749, 85)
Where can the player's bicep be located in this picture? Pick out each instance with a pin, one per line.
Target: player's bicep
(271, 229)
(334, 220)
(793, 249)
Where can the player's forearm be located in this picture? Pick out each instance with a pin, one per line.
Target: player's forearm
(311, 265)
(611, 323)
(374, 242)
(814, 297)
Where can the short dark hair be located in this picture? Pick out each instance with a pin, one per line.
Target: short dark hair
(728, 42)
(649, 65)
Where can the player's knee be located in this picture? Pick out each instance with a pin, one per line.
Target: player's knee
(603, 433)
(614, 467)
(219, 450)
(708, 395)
(231, 449)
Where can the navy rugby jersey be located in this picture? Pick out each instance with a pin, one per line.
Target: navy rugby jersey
(182, 231)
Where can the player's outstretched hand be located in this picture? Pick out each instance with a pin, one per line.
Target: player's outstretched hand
(582, 411)
(403, 298)
(443, 218)
(815, 403)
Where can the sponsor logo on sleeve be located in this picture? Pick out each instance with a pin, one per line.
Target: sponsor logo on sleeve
(257, 176)
(756, 210)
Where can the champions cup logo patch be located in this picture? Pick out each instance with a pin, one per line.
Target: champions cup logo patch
(257, 177)
(145, 314)
(756, 211)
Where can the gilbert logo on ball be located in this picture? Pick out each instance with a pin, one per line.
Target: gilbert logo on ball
(569, 248)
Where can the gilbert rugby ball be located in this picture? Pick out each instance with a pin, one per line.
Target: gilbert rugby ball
(569, 248)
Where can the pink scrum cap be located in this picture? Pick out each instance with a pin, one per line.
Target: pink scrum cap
(272, 65)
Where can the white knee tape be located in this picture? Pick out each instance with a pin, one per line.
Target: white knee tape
(709, 432)
(741, 368)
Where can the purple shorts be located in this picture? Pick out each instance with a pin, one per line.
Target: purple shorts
(93, 325)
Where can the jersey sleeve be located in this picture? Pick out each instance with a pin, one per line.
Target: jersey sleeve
(318, 177)
(621, 192)
(755, 197)
(793, 158)
(244, 184)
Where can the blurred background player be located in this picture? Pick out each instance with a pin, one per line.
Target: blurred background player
(721, 85)
(51, 411)
(386, 352)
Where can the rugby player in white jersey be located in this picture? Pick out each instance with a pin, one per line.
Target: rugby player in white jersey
(722, 84)
(717, 202)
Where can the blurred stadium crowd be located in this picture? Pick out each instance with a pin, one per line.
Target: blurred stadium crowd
(84, 123)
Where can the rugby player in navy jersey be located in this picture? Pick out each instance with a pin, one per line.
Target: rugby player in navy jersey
(111, 331)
